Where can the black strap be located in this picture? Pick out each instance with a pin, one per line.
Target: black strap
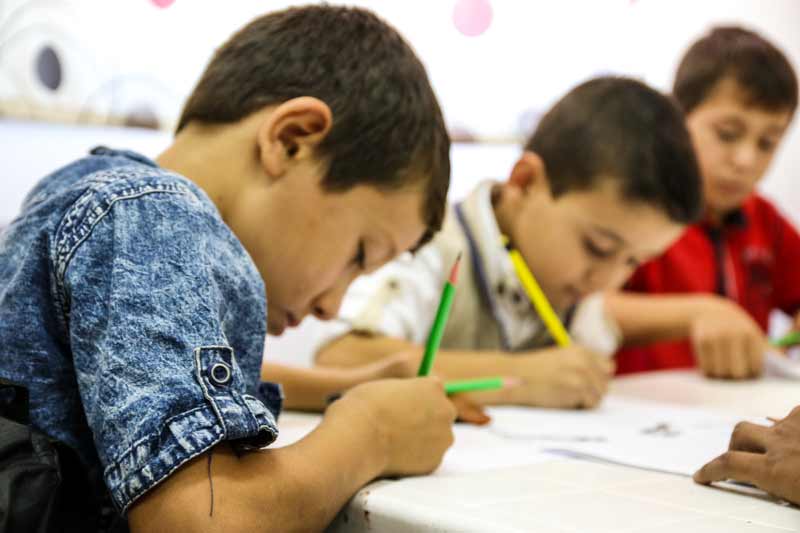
(14, 402)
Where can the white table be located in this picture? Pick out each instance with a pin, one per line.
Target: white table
(553, 494)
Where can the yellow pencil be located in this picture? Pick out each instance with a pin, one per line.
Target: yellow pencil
(537, 297)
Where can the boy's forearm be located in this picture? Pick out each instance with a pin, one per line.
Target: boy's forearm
(295, 488)
(322, 471)
(309, 388)
(355, 349)
(645, 318)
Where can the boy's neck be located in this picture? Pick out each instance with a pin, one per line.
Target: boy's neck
(717, 217)
(217, 158)
(502, 211)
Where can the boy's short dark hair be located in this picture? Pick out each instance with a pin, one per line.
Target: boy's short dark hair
(759, 68)
(388, 129)
(621, 129)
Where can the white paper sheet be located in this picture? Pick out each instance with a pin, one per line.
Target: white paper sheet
(478, 449)
(654, 436)
(648, 435)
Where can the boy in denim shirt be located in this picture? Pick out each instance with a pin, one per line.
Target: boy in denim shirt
(133, 293)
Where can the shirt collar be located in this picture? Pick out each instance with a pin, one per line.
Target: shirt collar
(519, 324)
(736, 219)
(130, 154)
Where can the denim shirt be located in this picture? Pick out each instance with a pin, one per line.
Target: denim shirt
(135, 318)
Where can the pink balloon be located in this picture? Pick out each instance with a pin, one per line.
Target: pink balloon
(472, 17)
(163, 4)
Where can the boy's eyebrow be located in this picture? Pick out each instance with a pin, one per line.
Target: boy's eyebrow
(610, 234)
(731, 121)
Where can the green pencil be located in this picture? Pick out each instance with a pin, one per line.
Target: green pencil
(475, 385)
(437, 330)
(790, 339)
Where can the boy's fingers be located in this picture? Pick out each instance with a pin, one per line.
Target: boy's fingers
(718, 360)
(469, 411)
(748, 356)
(594, 385)
(740, 466)
(738, 359)
(728, 355)
(757, 349)
(703, 349)
(749, 437)
(603, 364)
(709, 360)
(702, 361)
(590, 400)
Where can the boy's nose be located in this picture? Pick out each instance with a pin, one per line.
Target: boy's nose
(326, 305)
(599, 278)
(745, 157)
(325, 309)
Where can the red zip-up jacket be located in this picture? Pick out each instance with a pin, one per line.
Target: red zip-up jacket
(753, 258)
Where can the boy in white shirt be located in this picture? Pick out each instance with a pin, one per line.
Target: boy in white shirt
(608, 180)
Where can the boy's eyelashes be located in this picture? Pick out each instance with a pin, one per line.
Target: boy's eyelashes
(633, 263)
(360, 258)
(727, 136)
(600, 253)
(766, 145)
(597, 251)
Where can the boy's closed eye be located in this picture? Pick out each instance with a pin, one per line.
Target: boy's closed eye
(633, 262)
(729, 132)
(360, 259)
(767, 144)
(601, 252)
(598, 251)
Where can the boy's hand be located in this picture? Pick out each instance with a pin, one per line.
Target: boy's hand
(573, 377)
(411, 420)
(767, 457)
(405, 364)
(727, 342)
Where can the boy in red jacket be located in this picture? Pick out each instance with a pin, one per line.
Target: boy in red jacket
(718, 283)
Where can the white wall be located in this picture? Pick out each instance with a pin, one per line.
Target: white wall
(127, 55)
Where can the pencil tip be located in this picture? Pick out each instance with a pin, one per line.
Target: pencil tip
(454, 271)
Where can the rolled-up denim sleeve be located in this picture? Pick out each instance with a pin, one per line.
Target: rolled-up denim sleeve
(159, 382)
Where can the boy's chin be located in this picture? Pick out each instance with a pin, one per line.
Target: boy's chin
(726, 206)
(275, 328)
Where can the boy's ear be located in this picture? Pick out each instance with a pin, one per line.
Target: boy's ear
(529, 174)
(293, 130)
